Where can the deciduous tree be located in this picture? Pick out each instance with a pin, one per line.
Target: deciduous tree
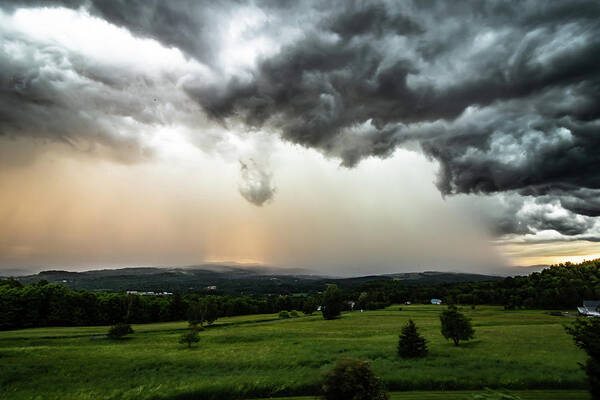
(456, 326)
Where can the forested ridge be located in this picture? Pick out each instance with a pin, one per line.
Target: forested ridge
(562, 286)
(557, 287)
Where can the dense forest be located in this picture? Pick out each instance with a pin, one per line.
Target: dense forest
(562, 286)
(557, 287)
(44, 304)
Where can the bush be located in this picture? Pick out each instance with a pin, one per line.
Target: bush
(585, 334)
(333, 302)
(118, 331)
(456, 326)
(411, 344)
(284, 315)
(294, 314)
(190, 338)
(353, 379)
(493, 395)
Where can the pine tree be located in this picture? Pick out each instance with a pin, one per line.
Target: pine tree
(411, 344)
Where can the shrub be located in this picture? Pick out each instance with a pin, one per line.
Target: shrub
(333, 302)
(585, 334)
(352, 379)
(194, 325)
(118, 331)
(190, 337)
(411, 344)
(284, 315)
(294, 314)
(493, 395)
(456, 326)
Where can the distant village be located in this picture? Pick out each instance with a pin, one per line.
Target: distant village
(150, 293)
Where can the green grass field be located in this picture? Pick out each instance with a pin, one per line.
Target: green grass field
(261, 356)
(556, 394)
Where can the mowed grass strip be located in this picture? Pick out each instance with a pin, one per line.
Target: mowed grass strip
(262, 356)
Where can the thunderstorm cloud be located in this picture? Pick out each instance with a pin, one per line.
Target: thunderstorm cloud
(503, 96)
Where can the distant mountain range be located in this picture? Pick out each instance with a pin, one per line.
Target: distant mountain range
(230, 279)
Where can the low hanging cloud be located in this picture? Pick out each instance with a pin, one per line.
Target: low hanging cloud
(504, 97)
(256, 184)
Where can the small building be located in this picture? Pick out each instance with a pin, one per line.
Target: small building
(211, 288)
(436, 301)
(591, 308)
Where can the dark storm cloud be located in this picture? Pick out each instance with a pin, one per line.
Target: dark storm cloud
(505, 96)
(513, 214)
(373, 19)
(510, 94)
(186, 24)
(38, 99)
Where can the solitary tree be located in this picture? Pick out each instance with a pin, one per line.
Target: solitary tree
(411, 344)
(190, 337)
(585, 333)
(456, 326)
(119, 330)
(333, 302)
(353, 379)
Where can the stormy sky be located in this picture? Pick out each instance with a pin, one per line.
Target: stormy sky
(347, 137)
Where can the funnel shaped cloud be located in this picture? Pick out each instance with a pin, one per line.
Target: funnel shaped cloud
(256, 183)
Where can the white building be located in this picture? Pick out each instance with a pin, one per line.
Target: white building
(590, 308)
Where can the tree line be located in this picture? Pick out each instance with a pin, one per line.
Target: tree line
(42, 304)
(557, 287)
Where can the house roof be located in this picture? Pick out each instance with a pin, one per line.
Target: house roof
(591, 304)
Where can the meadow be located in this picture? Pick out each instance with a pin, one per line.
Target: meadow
(261, 356)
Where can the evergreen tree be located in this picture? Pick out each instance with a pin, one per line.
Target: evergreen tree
(411, 344)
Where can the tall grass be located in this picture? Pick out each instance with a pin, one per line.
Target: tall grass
(254, 356)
